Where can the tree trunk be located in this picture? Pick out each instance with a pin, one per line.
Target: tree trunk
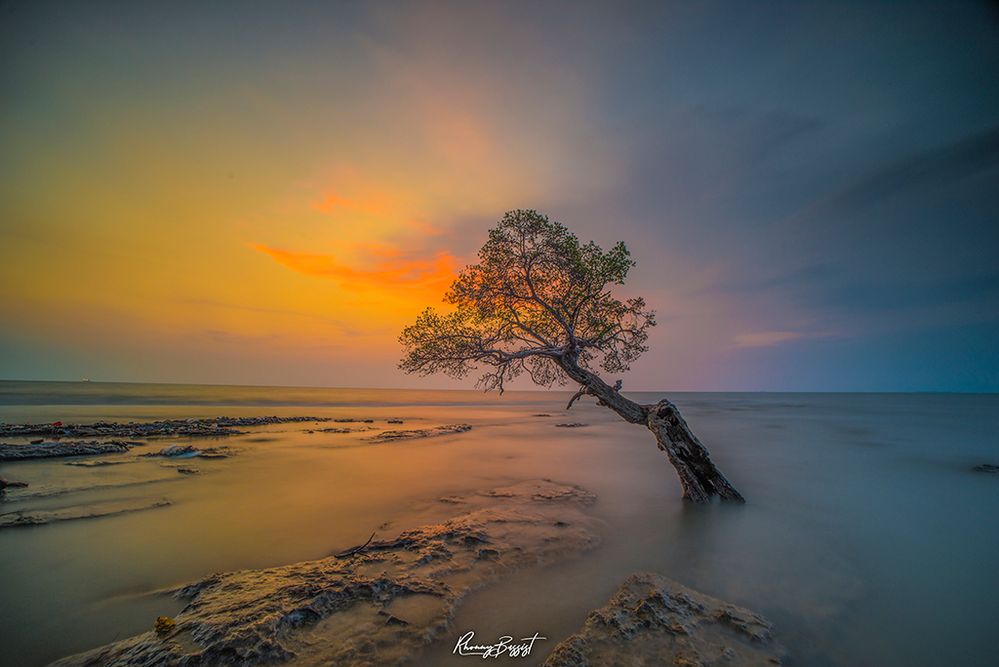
(700, 478)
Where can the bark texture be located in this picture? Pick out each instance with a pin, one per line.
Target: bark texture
(700, 478)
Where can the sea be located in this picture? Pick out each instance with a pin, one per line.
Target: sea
(868, 538)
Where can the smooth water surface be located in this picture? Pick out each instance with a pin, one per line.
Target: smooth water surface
(867, 538)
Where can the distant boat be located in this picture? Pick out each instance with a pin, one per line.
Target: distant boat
(85, 380)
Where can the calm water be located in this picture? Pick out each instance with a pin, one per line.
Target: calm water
(866, 539)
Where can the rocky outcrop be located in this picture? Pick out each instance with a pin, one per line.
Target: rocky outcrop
(378, 604)
(38, 517)
(652, 620)
(45, 450)
(341, 429)
(410, 434)
(211, 427)
(190, 452)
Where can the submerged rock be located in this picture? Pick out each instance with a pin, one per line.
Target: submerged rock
(7, 484)
(986, 467)
(409, 434)
(571, 425)
(341, 429)
(178, 451)
(379, 605)
(216, 453)
(39, 517)
(94, 463)
(652, 620)
(190, 452)
(45, 450)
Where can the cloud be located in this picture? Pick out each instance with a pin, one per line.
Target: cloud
(389, 267)
(765, 338)
(932, 168)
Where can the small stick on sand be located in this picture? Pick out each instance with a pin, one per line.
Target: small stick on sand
(354, 550)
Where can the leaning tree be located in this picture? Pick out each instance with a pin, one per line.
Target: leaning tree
(540, 302)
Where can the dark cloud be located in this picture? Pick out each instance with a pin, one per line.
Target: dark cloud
(933, 169)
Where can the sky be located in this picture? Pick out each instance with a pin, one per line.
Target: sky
(267, 192)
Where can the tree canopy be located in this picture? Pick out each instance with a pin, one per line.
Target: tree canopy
(542, 303)
(537, 299)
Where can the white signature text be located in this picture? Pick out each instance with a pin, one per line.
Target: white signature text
(504, 645)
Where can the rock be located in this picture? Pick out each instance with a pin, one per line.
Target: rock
(190, 452)
(379, 605)
(211, 427)
(652, 620)
(541, 414)
(46, 450)
(94, 464)
(571, 425)
(178, 452)
(7, 484)
(447, 429)
(390, 619)
(188, 471)
(216, 453)
(395, 421)
(38, 517)
(986, 467)
(341, 429)
(164, 624)
(37, 441)
(545, 492)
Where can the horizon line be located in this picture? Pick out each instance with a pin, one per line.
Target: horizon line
(535, 390)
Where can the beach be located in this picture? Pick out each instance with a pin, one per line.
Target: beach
(866, 538)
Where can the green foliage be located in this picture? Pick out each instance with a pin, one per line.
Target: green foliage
(538, 299)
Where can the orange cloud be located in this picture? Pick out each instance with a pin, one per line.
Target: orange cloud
(369, 206)
(377, 206)
(390, 269)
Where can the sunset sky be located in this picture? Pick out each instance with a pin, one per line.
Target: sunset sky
(266, 193)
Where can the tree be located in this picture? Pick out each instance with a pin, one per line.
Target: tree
(542, 303)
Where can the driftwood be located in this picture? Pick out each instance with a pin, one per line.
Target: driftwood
(354, 550)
